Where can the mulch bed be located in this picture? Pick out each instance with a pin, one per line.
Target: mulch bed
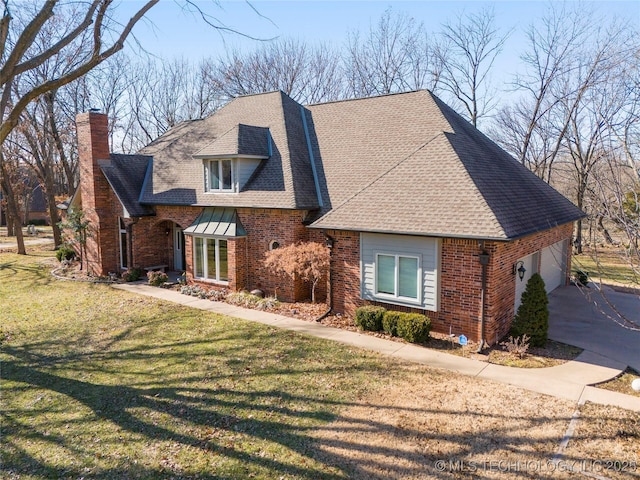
(552, 354)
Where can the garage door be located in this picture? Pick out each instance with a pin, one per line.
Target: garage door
(552, 265)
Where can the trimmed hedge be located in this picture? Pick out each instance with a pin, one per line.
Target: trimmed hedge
(390, 322)
(369, 317)
(413, 327)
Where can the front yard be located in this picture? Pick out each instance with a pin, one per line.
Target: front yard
(98, 383)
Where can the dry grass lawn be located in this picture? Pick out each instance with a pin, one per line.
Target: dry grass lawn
(432, 424)
(97, 383)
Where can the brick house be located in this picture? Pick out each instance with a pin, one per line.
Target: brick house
(422, 211)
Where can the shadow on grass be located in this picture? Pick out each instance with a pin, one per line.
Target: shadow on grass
(275, 415)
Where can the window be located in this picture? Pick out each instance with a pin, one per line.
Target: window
(397, 276)
(219, 176)
(210, 259)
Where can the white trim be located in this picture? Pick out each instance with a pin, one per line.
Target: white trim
(396, 297)
(207, 175)
(223, 156)
(205, 259)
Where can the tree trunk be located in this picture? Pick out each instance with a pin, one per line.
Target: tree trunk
(578, 241)
(11, 230)
(19, 238)
(605, 232)
(53, 211)
(13, 214)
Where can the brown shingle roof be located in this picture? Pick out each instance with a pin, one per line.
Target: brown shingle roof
(407, 163)
(241, 140)
(403, 163)
(285, 180)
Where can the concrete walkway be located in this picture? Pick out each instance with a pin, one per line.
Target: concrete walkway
(569, 381)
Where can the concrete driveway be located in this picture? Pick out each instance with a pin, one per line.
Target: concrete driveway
(582, 317)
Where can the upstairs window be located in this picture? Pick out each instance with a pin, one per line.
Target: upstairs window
(219, 176)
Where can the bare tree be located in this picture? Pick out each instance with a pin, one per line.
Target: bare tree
(308, 74)
(394, 55)
(528, 129)
(467, 51)
(23, 49)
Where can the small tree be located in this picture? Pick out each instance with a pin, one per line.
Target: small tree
(532, 318)
(307, 261)
(79, 228)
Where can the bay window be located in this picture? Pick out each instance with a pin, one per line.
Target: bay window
(210, 259)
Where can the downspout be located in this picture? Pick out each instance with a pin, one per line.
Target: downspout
(329, 242)
(484, 261)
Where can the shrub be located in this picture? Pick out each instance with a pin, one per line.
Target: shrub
(216, 295)
(194, 291)
(306, 261)
(390, 322)
(38, 222)
(582, 277)
(65, 252)
(532, 317)
(517, 346)
(243, 299)
(413, 327)
(369, 318)
(157, 278)
(131, 275)
(268, 303)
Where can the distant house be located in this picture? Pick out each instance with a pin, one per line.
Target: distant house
(423, 212)
(33, 197)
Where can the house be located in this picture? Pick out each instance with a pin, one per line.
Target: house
(421, 210)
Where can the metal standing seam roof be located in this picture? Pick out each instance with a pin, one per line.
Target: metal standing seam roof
(219, 222)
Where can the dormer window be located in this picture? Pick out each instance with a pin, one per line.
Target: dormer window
(219, 176)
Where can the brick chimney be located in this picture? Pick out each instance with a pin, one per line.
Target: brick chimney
(98, 200)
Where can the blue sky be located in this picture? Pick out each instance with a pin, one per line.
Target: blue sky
(169, 31)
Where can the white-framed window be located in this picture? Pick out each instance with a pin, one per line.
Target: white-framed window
(219, 176)
(397, 277)
(210, 259)
(122, 236)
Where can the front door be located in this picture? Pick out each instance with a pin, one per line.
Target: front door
(178, 248)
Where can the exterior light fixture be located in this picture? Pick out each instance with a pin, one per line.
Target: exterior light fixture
(329, 241)
(518, 268)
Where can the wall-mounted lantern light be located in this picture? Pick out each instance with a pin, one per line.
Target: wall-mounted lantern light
(518, 268)
(329, 241)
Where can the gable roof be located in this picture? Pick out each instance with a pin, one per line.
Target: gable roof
(409, 164)
(125, 174)
(284, 180)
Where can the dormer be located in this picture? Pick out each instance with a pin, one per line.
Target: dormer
(230, 161)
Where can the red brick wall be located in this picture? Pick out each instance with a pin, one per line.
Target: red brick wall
(460, 281)
(99, 204)
(263, 226)
(501, 295)
(152, 246)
